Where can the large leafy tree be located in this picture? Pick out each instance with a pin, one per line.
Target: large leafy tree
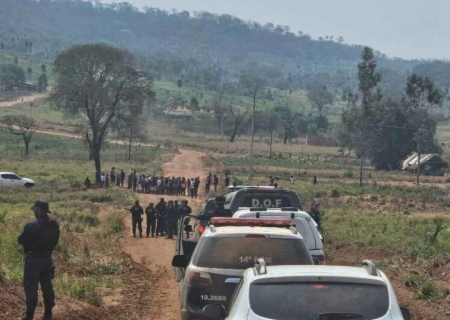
(100, 83)
(11, 76)
(320, 97)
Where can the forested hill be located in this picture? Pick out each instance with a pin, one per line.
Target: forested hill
(173, 41)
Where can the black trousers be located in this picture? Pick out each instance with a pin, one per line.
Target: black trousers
(137, 223)
(38, 271)
(151, 224)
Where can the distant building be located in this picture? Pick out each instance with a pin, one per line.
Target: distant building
(429, 163)
(30, 86)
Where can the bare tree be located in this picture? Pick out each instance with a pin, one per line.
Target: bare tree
(21, 125)
(237, 116)
(98, 82)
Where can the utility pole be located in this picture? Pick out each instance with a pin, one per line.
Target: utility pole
(250, 166)
(418, 156)
(362, 149)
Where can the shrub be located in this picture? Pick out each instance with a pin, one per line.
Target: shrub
(348, 174)
(113, 224)
(414, 280)
(428, 291)
(335, 193)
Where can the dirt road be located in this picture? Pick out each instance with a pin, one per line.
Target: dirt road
(156, 253)
(24, 99)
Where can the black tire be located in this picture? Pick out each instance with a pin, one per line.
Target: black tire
(28, 185)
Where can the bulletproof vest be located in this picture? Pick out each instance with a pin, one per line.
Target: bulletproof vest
(136, 212)
(42, 237)
(151, 212)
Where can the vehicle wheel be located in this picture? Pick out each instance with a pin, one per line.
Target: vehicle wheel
(28, 185)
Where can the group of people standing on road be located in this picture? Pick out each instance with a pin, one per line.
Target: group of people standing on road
(151, 184)
(162, 218)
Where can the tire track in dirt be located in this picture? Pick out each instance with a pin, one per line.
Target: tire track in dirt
(156, 253)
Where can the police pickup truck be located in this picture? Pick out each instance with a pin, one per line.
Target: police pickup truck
(246, 197)
(249, 196)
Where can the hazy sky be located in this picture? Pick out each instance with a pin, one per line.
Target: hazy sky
(401, 28)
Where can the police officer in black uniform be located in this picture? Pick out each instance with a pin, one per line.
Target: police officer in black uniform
(220, 208)
(39, 238)
(150, 212)
(161, 216)
(136, 216)
(170, 219)
(185, 210)
(315, 213)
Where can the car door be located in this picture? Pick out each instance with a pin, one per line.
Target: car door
(15, 180)
(184, 246)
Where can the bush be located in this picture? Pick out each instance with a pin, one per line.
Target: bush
(348, 174)
(113, 224)
(414, 280)
(335, 193)
(428, 291)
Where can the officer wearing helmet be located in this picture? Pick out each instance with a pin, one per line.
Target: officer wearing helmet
(219, 211)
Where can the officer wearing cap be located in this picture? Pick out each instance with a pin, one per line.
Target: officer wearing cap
(38, 239)
(315, 213)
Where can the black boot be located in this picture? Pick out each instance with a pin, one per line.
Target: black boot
(47, 313)
(30, 313)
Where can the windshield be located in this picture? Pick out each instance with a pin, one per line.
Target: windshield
(242, 253)
(308, 300)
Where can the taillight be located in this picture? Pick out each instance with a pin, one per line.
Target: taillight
(198, 278)
(319, 259)
(201, 229)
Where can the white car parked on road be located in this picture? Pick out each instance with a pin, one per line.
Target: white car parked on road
(311, 293)
(12, 180)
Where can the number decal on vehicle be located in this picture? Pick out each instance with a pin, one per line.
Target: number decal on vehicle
(206, 297)
(254, 259)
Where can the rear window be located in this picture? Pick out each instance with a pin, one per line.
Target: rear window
(242, 253)
(293, 301)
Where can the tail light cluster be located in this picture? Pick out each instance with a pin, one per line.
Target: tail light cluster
(319, 259)
(199, 278)
(201, 229)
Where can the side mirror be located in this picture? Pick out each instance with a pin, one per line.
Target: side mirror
(215, 310)
(405, 313)
(180, 261)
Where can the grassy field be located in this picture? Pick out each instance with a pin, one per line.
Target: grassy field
(89, 254)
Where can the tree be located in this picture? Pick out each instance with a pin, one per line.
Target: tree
(287, 120)
(29, 71)
(42, 83)
(179, 85)
(254, 85)
(132, 128)
(370, 96)
(11, 76)
(194, 103)
(320, 97)
(368, 79)
(98, 82)
(21, 125)
(238, 116)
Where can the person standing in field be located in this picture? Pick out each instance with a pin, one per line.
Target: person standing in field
(136, 218)
(122, 177)
(38, 239)
(315, 212)
(216, 182)
(150, 212)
